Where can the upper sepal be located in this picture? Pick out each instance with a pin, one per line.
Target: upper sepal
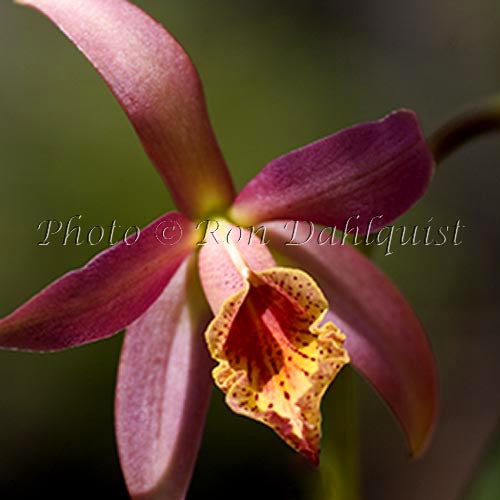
(158, 87)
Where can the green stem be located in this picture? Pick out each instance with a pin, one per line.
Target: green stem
(339, 472)
(478, 120)
(484, 483)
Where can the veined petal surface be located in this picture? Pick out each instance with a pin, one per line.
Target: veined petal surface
(158, 87)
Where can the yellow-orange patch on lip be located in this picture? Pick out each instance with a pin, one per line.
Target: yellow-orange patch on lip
(275, 361)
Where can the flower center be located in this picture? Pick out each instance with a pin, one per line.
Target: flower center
(275, 360)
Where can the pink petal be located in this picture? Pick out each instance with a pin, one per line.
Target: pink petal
(384, 338)
(219, 274)
(158, 87)
(105, 296)
(370, 170)
(163, 391)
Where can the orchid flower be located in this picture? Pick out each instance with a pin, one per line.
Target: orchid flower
(276, 342)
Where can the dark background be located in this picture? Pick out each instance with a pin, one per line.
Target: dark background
(277, 75)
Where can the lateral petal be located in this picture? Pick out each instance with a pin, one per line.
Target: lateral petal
(102, 298)
(374, 172)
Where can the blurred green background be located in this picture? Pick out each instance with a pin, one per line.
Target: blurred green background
(277, 74)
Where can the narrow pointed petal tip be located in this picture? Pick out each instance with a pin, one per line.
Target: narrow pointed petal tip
(275, 360)
(158, 87)
(163, 391)
(384, 338)
(103, 297)
(364, 176)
